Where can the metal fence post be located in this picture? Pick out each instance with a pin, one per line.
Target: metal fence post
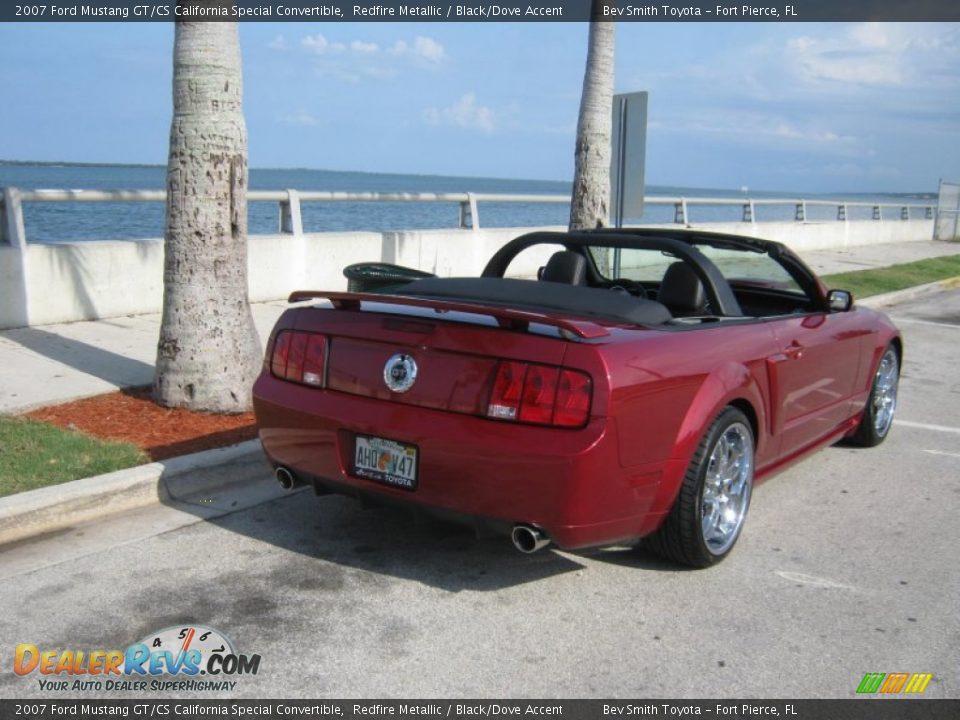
(11, 220)
(680, 212)
(291, 222)
(469, 217)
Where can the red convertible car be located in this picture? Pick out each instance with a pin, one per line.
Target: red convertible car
(636, 389)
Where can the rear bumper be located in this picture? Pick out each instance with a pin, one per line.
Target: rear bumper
(567, 482)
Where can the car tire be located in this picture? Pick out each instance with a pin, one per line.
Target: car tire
(706, 519)
(882, 404)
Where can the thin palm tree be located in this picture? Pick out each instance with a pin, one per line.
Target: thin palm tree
(209, 353)
(590, 201)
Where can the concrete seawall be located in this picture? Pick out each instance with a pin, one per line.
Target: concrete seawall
(42, 284)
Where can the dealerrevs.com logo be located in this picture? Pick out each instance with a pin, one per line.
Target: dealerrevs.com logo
(179, 658)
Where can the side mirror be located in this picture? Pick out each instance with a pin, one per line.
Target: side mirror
(840, 300)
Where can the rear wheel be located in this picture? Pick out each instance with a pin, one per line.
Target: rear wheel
(710, 510)
(882, 403)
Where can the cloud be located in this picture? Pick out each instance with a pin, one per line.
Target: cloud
(319, 45)
(278, 43)
(464, 113)
(429, 49)
(364, 47)
(301, 118)
(358, 59)
(425, 49)
(875, 54)
(765, 129)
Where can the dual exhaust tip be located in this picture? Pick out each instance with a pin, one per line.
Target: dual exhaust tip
(526, 538)
(286, 479)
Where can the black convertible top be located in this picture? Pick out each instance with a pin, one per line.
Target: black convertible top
(576, 300)
(718, 291)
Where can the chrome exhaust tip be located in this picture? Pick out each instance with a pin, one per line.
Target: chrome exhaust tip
(285, 478)
(528, 539)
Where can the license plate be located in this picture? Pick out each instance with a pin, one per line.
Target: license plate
(385, 461)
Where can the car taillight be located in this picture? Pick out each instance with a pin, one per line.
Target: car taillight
(574, 392)
(507, 388)
(299, 357)
(540, 394)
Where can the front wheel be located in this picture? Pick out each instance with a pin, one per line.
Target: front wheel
(882, 403)
(712, 505)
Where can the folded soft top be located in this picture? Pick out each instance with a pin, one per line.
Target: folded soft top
(599, 303)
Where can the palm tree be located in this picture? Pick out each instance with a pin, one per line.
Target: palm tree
(590, 202)
(208, 353)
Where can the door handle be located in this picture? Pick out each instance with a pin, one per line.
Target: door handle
(794, 351)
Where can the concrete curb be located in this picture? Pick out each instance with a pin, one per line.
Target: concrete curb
(897, 296)
(176, 481)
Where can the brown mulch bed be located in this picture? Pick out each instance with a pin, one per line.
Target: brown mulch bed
(131, 416)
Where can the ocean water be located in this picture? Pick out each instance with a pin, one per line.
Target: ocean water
(59, 222)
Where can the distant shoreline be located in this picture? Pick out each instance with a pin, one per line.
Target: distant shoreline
(65, 163)
(665, 190)
(57, 163)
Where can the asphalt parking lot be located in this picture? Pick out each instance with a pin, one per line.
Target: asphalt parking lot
(847, 565)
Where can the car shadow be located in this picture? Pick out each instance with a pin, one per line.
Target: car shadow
(332, 534)
(387, 541)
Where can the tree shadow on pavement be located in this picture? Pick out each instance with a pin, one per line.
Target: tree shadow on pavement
(83, 357)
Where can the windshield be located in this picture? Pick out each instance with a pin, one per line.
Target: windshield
(737, 266)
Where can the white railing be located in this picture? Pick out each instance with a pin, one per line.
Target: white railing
(290, 219)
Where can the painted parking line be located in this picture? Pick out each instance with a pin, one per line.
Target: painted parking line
(915, 321)
(925, 426)
(941, 452)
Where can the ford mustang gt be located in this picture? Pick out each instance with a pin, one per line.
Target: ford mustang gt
(636, 387)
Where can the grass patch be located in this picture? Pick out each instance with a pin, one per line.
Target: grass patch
(34, 455)
(863, 283)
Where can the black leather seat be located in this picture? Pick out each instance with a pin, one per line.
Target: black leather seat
(682, 291)
(565, 267)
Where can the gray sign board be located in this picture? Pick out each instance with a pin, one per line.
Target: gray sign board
(629, 155)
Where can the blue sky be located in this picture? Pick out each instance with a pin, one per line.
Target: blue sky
(771, 106)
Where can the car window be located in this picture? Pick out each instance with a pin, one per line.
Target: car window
(737, 266)
(526, 264)
(751, 269)
(641, 265)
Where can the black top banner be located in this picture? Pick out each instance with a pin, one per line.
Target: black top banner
(483, 11)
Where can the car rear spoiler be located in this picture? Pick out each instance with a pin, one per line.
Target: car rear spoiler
(506, 317)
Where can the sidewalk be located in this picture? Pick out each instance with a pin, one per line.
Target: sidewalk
(51, 364)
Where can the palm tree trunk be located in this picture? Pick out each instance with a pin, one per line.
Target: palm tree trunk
(209, 353)
(590, 202)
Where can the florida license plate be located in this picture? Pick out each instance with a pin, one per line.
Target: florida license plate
(385, 461)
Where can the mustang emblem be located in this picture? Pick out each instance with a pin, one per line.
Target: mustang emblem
(400, 373)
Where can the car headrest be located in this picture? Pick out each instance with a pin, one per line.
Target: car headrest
(681, 290)
(565, 267)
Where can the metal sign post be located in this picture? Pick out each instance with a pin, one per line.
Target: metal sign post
(628, 160)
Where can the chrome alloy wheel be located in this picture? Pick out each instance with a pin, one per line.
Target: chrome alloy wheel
(726, 488)
(885, 392)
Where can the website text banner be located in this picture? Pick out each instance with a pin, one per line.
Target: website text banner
(849, 709)
(482, 11)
